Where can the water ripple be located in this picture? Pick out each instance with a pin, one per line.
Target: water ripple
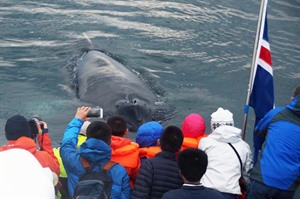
(29, 43)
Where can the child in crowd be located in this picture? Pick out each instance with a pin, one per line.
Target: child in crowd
(147, 137)
(63, 192)
(95, 150)
(160, 173)
(223, 146)
(193, 129)
(124, 151)
(192, 164)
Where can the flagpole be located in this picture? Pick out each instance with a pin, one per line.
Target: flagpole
(246, 108)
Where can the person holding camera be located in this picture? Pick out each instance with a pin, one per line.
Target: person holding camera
(63, 191)
(18, 134)
(39, 133)
(95, 150)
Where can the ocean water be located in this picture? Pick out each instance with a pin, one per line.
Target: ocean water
(195, 53)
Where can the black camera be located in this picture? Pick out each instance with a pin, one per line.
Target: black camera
(32, 124)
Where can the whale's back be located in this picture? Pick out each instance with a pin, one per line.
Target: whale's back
(104, 82)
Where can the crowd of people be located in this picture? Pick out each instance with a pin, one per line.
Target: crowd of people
(162, 162)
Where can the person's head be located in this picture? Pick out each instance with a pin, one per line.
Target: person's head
(171, 139)
(221, 117)
(99, 130)
(296, 91)
(118, 126)
(33, 122)
(16, 127)
(192, 164)
(193, 126)
(148, 134)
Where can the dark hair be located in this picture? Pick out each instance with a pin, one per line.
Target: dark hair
(99, 130)
(297, 91)
(192, 164)
(171, 139)
(33, 121)
(118, 125)
(33, 129)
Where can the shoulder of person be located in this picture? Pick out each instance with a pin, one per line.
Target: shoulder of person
(204, 142)
(148, 163)
(117, 169)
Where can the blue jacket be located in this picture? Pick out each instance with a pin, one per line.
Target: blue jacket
(279, 163)
(96, 152)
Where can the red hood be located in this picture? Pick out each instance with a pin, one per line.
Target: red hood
(118, 142)
(193, 126)
(22, 143)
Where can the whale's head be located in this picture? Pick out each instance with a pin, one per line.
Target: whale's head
(135, 111)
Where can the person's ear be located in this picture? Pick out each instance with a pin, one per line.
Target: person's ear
(126, 132)
(158, 142)
(184, 179)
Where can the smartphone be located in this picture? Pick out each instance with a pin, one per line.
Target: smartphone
(95, 112)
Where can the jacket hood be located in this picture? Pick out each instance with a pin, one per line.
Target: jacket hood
(295, 105)
(193, 126)
(95, 150)
(118, 142)
(226, 134)
(22, 143)
(148, 134)
(19, 170)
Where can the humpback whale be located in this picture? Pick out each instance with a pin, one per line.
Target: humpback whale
(103, 81)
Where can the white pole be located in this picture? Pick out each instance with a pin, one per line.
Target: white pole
(262, 13)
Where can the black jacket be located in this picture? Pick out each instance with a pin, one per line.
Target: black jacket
(157, 176)
(193, 192)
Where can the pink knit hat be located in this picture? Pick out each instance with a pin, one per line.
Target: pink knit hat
(193, 125)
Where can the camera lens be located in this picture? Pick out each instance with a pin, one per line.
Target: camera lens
(33, 129)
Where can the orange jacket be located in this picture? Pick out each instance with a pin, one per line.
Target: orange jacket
(125, 152)
(45, 156)
(149, 152)
(189, 142)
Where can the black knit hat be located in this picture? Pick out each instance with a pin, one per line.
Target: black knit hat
(16, 127)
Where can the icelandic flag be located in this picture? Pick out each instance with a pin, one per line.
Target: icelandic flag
(262, 88)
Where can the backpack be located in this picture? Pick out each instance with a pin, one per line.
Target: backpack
(92, 184)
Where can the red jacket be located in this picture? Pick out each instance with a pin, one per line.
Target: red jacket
(45, 156)
(125, 152)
